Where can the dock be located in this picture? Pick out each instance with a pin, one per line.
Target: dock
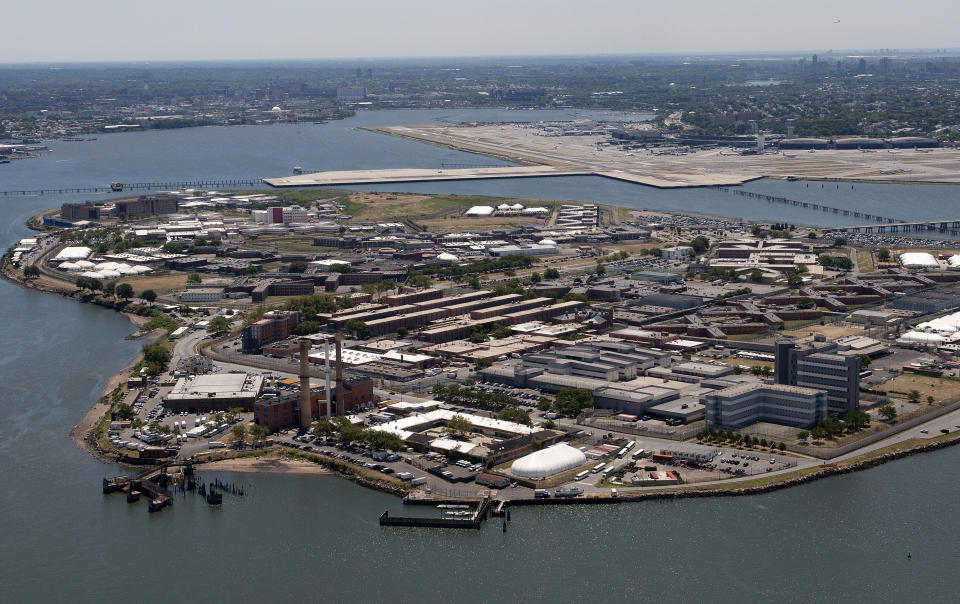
(452, 516)
(364, 177)
(152, 484)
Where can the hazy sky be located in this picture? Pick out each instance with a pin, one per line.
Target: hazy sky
(114, 30)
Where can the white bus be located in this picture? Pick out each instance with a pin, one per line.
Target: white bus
(598, 468)
(637, 454)
(581, 475)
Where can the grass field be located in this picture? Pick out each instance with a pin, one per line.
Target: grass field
(865, 261)
(287, 243)
(162, 284)
(378, 206)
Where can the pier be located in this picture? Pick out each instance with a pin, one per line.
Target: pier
(948, 227)
(218, 183)
(811, 205)
(153, 484)
(458, 516)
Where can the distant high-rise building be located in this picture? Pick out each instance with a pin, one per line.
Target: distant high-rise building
(349, 94)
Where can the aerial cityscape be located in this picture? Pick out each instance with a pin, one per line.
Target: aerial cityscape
(458, 327)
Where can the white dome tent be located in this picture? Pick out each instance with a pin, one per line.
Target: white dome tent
(548, 462)
(447, 257)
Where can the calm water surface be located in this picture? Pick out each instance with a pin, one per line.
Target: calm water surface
(310, 538)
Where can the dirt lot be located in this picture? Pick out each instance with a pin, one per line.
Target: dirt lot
(940, 388)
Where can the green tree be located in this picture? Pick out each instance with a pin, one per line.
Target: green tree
(149, 295)
(474, 282)
(306, 328)
(756, 276)
(601, 269)
(571, 401)
(322, 427)
(240, 433)
(864, 361)
(515, 414)
(258, 433)
(418, 279)
(218, 324)
(297, 266)
(459, 426)
(194, 278)
(930, 400)
(700, 244)
(544, 404)
(883, 255)
(402, 331)
(535, 278)
(173, 247)
(358, 328)
(888, 412)
(855, 420)
(551, 273)
(347, 432)
(914, 396)
(803, 435)
(110, 288)
(124, 290)
(794, 281)
(30, 271)
(156, 357)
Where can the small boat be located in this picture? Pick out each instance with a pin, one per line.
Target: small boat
(116, 187)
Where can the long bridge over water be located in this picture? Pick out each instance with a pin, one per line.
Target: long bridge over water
(811, 205)
(949, 227)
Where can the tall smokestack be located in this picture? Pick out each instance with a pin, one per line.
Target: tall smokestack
(339, 342)
(326, 355)
(306, 417)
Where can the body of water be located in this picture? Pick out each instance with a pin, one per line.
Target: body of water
(308, 538)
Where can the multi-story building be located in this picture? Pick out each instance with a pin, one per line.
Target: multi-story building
(747, 404)
(146, 205)
(202, 294)
(274, 326)
(284, 412)
(679, 252)
(80, 211)
(291, 214)
(817, 365)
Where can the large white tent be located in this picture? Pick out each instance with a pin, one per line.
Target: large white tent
(548, 462)
(918, 260)
(73, 253)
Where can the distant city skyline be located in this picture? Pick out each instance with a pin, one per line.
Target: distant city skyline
(110, 30)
